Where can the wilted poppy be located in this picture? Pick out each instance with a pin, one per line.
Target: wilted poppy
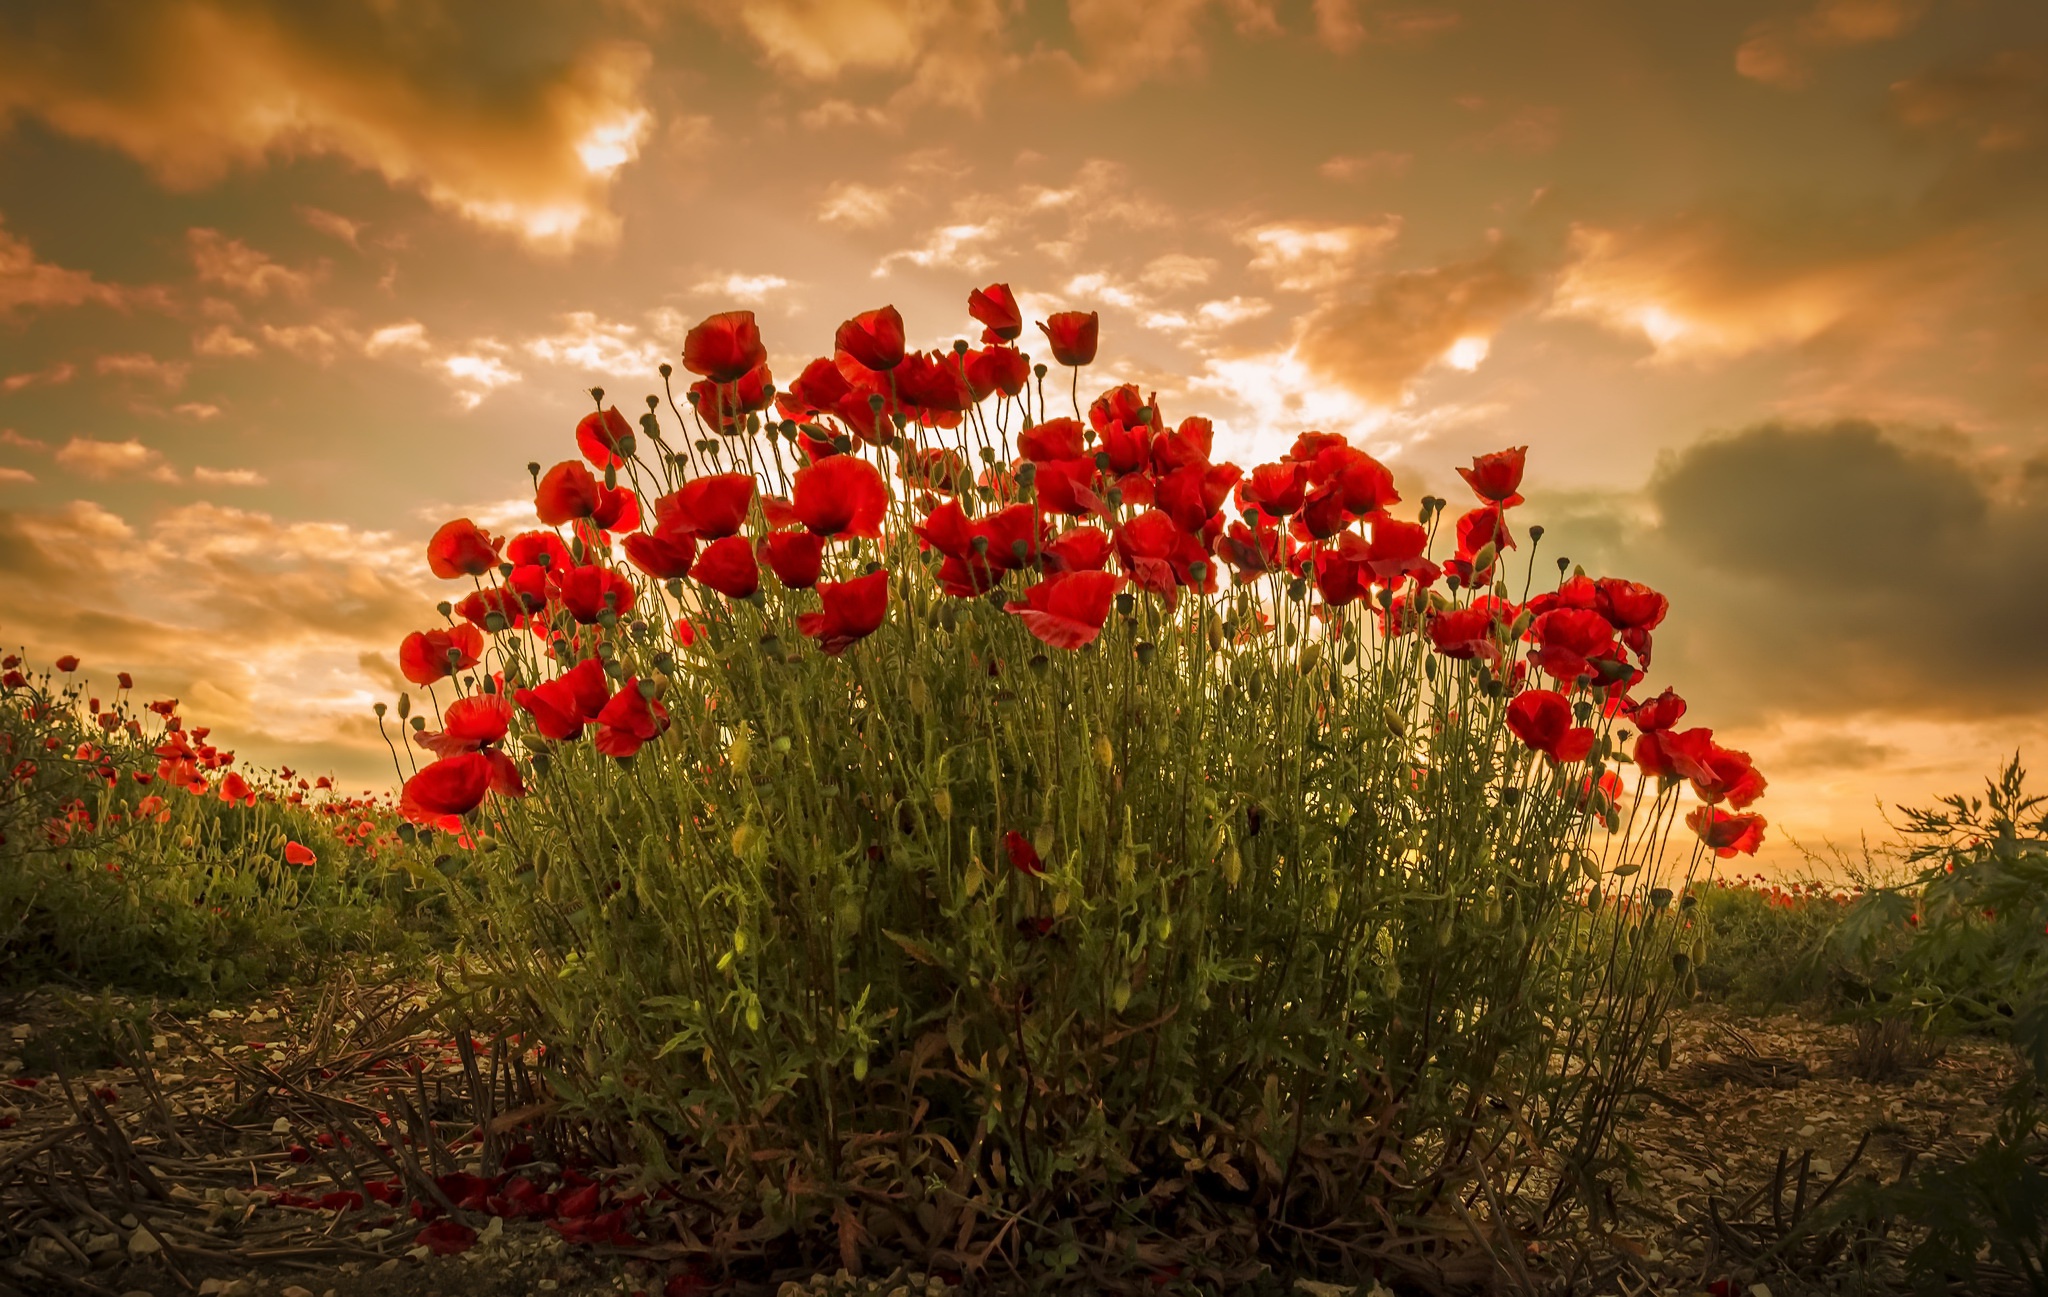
(1067, 609)
(727, 565)
(461, 548)
(996, 308)
(629, 721)
(874, 338)
(724, 347)
(427, 656)
(566, 492)
(841, 496)
(852, 611)
(601, 436)
(1497, 478)
(1542, 718)
(1073, 335)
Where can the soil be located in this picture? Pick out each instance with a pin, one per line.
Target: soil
(184, 1101)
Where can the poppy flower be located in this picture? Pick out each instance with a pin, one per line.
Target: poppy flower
(1080, 549)
(1729, 835)
(1125, 405)
(725, 405)
(939, 469)
(934, 383)
(1542, 718)
(1256, 549)
(1279, 489)
(427, 656)
(1067, 609)
(1191, 443)
(299, 854)
(664, 556)
(590, 591)
(1337, 577)
(727, 565)
(1053, 439)
(1631, 605)
(1477, 530)
(1659, 713)
(628, 722)
(68, 663)
(796, 557)
(1718, 774)
(841, 496)
(441, 793)
(566, 492)
(997, 369)
(461, 548)
(1365, 484)
(510, 602)
(538, 549)
(1497, 478)
(708, 507)
(1068, 486)
(1322, 514)
(995, 307)
(1023, 855)
(724, 347)
(821, 386)
(853, 610)
(561, 707)
(1073, 336)
(1394, 550)
(234, 788)
(601, 434)
(470, 724)
(618, 509)
(1567, 638)
(446, 1238)
(1192, 495)
(1466, 633)
(874, 338)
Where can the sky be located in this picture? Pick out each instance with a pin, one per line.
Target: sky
(1762, 285)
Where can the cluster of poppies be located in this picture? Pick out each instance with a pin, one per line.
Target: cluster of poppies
(1082, 510)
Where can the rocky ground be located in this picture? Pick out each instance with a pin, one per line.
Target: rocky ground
(224, 1153)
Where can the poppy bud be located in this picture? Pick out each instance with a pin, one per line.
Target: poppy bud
(860, 1068)
(1164, 927)
(1215, 634)
(1145, 651)
(404, 706)
(1105, 754)
(1121, 996)
(740, 749)
(1233, 867)
(1041, 839)
(942, 803)
(1126, 864)
(1311, 653)
(1664, 1054)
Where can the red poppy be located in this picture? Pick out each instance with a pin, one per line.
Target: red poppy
(1337, 577)
(427, 656)
(234, 788)
(461, 548)
(1192, 495)
(1067, 609)
(841, 496)
(1124, 404)
(523, 593)
(996, 308)
(68, 663)
(567, 492)
(563, 706)
(796, 557)
(1081, 549)
(1394, 550)
(853, 610)
(1729, 835)
(1477, 530)
(601, 434)
(724, 347)
(997, 369)
(1567, 638)
(1068, 486)
(1718, 774)
(618, 509)
(725, 405)
(874, 338)
(441, 793)
(707, 507)
(662, 555)
(727, 565)
(1631, 605)
(1542, 718)
(125, 680)
(1276, 488)
(629, 721)
(299, 854)
(446, 1238)
(1191, 443)
(1053, 439)
(821, 386)
(1659, 713)
(1073, 336)
(939, 469)
(590, 591)
(1468, 633)
(529, 548)
(1129, 448)
(936, 384)
(1159, 556)
(1252, 551)
(470, 724)
(1023, 855)
(1366, 484)
(1322, 514)
(1497, 478)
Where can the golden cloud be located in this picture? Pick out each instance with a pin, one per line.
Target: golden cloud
(192, 89)
(27, 282)
(1780, 51)
(2000, 104)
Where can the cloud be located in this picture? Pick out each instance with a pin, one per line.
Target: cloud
(312, 342)
(408, 335)
(332, 224)
(600, 348)
(229, 477)
(1177, 270)
(232, 263)
(200, 410)
(1308, 258)
(1998, 105)
(15, 476)
(26, 283)
(167, 374)
(1376, 341)
(859, 206)
(937, 52)
(52, 376)
(193, 89)
(752, 289)
(222, 341)
(101, 460)
(1780, 51)
(1381, 164)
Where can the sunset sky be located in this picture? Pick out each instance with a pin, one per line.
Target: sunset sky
(1762, 285)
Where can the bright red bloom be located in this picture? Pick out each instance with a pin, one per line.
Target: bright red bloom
(796, 557)
(841, 496)
(628, 722)
(1059, 438)
(1073, 336)
(1468, 633)
(470, 724)
(1631, 605)
(618, 509)
(1192, 495)
(1323, 514)
(1497, 478)
(234, 788)
(524, 592)
(996, 308)
(1068, 486)
(563, 706)
(874, 338)
(441, 793)
(528, 548)
(1366, 485)
(662, 555)
(600, 436)
(588, 592)
(1191, 443)
(725, 405)
(427, 656)
(938, 469)
(1080, 549)
(1542, 718)
(1124, 404)
(724, 347)
(1252, 551)
(707, 507)
(821, 386)
(1395, 550)
(1160, 557)
(1129, 448)
(1476, 531)
(936, 384)
(1659, 713)
(997, 369)
(727, 565)
(1337, 576)
(1567, 638)
(853, 610)
(1023, 855)
(567, 492)
(1718, 774)
(296, 853)
(1067, 609)
(1729, 835)
(461, 548)
(1276, 488)
(68, 663)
